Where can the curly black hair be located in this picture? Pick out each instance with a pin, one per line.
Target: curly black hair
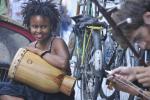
(43, 8)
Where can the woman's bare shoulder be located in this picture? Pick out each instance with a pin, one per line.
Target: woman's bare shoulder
(58, 39)
(59, 43)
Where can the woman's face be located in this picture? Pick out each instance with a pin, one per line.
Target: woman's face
(141, 36)
(39, 27)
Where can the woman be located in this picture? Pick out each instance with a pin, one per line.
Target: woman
(41, 18)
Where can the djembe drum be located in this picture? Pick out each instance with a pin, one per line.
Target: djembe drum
(32, 70)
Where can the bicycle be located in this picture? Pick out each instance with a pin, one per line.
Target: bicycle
(85, 69)
(89, 54)
(90, 74)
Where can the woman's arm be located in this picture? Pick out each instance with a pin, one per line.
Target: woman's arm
(59, 56)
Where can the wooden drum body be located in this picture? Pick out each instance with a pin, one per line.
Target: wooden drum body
(32, 70)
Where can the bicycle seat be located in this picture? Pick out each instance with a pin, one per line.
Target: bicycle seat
(94, 23)
(80, 18)
(82, 21)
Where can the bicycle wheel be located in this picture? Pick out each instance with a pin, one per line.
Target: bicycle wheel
(91, 66)
(107, 93)
(120, 60)
(109, 56)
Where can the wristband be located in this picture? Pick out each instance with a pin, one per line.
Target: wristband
(44, 53)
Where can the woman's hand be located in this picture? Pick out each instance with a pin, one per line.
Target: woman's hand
(34, 50)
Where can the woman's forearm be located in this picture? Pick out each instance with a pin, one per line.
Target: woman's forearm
(57, 61)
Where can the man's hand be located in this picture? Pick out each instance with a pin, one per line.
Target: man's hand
(143, 76)
(122, 85)
(128, 74)
(125, 73)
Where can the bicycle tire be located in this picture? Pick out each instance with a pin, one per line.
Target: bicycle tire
(117, 95)
(89, 79)
(110, 55)
(99, 72)
(112, 96)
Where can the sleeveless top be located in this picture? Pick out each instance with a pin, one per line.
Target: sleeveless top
(50, 46)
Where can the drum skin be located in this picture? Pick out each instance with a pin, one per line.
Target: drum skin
(32, 70)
